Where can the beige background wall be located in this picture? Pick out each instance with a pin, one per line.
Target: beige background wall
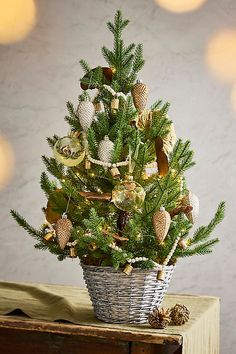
(38, 76)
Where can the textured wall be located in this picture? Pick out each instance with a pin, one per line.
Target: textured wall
(38, 76)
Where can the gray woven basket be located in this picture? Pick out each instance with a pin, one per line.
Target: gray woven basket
(121, 298)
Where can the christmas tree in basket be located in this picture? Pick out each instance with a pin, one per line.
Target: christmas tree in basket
(121, 203)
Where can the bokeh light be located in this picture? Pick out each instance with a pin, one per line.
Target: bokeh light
(233, 97)
(221, 55)
(17, 18)
(180, 6)
(6, 162)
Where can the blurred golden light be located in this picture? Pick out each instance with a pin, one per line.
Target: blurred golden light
(221, 55)
(180, 5)
(17, 18)
(6, 161)
(233, 97)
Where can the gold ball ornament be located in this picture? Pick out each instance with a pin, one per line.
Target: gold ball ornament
(69, 151)
(161, 223)
(63, 229)
(192, 200)
(140, 95)
(128, 195)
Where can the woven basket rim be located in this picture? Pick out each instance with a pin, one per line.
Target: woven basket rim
(120, 270)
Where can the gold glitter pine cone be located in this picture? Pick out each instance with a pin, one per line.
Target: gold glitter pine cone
(159, 318)
(179, 314)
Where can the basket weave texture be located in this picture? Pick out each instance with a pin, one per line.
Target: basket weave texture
(121, 298)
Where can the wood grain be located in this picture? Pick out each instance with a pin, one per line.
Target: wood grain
(149, 348)
(65, 328)
(13, 341)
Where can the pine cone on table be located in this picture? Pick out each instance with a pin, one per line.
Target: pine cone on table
(159, 318)
(179, 314)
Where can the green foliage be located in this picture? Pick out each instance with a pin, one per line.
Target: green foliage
(127, 60)
(96, 222)
(23, 223)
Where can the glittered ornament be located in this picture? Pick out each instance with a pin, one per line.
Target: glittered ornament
(128, 195)
(140, 95)
(122, 220)
(159, 318)
(179, 314)
(86, 113)
(69, 151)
(161, 222)
(63, 229)
(169, 140)
(192, 200)
(105, 149)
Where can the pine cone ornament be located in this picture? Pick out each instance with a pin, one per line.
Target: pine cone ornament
(179, 314)
(159, 318)
(85, 112)
(140, 95)
(122, 220)
(161, 222)
(63, 231)
(105, 149)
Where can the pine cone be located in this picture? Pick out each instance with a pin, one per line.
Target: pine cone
(159, 318)
(122, 220)
(179, 314)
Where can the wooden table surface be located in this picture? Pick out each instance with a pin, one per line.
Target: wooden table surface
(20, 334)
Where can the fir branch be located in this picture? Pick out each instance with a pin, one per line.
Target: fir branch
(47, 186)
(23, 223)
(203, 232)
(52, 140)
(54, 167)
(92, 142)
(85, 66)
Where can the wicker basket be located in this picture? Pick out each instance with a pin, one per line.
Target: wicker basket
(121, 298)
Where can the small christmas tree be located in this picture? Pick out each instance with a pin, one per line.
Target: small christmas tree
(121, 199)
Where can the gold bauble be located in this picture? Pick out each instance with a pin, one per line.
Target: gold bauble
(69, 151)
(128, 195)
